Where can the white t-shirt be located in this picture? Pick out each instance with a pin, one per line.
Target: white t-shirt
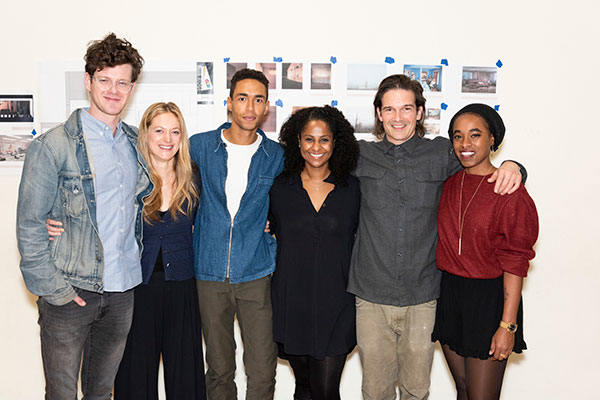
(238, 163)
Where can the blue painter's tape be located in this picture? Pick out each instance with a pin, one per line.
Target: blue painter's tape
(226, 59)
(499, 64)
(444, 61)
(497, 107)
(279, 103)
(277, 59)
(333, 59)
(33, 132)
(444, 106)
(389, 60)
(334, 103)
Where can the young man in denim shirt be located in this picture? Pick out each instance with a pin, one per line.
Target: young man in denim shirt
(88, 174)
(234, 257)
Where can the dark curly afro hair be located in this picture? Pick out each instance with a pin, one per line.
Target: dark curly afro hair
(345, 151)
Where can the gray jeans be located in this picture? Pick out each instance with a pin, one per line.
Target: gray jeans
(98, 331)
(220, 302)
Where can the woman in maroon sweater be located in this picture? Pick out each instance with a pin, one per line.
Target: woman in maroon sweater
(484, 247)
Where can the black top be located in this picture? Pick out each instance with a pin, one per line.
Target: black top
(313, 314)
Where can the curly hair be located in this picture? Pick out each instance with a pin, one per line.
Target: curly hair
(186, 193)
(403, 82)
(247, 73)
(111, 52)
(345, 150)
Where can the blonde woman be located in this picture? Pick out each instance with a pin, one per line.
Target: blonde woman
(166, 320)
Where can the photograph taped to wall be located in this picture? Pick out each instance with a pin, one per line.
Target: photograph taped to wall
(16, 108)
(430, 76)
(270, 72)
(204, 82)
(320, 76)
(433, 114)
(479, 80)
(432, 127)
(365, 76)
(232, 68)
(13, 146)
(361, 118)
(291, 75)
(269, 123)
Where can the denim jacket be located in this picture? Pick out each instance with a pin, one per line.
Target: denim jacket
(222, 244)
(58, 182)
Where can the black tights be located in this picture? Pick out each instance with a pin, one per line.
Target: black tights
(475, 379)
(317, 379)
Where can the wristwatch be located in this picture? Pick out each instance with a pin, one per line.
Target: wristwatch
(509, 326)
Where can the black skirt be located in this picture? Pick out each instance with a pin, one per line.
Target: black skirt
(468, 314)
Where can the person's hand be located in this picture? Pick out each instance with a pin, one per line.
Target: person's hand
(54, 229)
(502, 344)
(267, 229)
(507, 177)
(80, 302)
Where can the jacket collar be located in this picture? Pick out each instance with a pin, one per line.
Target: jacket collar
(264, 143)
(74, 129)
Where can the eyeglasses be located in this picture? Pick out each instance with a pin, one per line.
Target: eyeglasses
(123, 86)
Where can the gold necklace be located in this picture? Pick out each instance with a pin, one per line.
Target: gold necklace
(461, 219)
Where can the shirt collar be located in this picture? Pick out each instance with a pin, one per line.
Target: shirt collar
(227, 125)
(410, 145)
(95, 125)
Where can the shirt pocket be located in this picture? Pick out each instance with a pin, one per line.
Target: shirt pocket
(72, 192)
(373, 189)
(262, 189)
(430, 178)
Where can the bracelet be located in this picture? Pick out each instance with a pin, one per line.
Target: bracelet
(509, 326)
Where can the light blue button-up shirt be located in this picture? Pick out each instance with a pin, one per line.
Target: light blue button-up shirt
(115, 172)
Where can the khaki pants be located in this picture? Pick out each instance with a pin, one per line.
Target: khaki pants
(219, 303)
(394, 344)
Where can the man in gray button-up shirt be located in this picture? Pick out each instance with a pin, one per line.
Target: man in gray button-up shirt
(393, 271)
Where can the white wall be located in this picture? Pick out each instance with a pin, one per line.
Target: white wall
(549, 98)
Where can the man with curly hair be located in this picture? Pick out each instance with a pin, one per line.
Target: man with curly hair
(88, 174)
(234, 257)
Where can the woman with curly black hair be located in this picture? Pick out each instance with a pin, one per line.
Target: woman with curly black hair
(314, 215)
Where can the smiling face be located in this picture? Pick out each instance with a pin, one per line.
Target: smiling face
(316, 144)
(248, 106)
(108, 104)
(164, 138)
(472, 139)
(399, 115)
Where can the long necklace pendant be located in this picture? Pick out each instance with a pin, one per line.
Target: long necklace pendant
(459, 245)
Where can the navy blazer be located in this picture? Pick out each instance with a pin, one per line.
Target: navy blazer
(174, 240)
